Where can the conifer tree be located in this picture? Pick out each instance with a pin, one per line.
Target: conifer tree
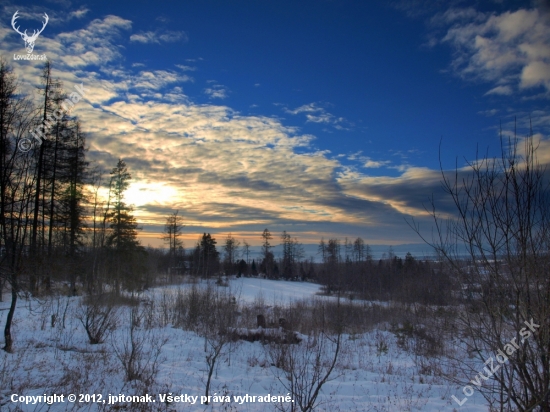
(123, 225)
(208, 255)
(230, 248)
(126, 251)
(267, 264)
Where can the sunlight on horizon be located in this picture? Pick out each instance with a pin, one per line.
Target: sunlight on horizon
(141, 193)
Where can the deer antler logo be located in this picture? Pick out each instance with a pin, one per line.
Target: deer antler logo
(29, 40)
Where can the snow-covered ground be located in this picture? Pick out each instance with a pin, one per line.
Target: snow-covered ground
(59, 360)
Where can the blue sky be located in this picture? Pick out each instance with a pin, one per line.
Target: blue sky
(322, 118)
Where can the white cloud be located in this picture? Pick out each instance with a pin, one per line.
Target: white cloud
(374, 164)
(78, 14)
(536, 73)
(488, 113)
(157, 37)
(511, 49)
(322, 118)
(185, 68)
(306, 108)
(453, 15)
(366, 161)
(147, 37)
(155, 80)
(223, 168)
(108, 27)
(500, 90)
(317, 114)
(217, 92)
(172, 36)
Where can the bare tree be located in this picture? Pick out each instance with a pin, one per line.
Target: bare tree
(97, 235)
(303, 369)
(246, 251)
(266, 246)
(497, 246)
(359, 250)
(216, 320)
(139, 348)
(231, 248)
(172, 230)
(292, 253)
(99, 317)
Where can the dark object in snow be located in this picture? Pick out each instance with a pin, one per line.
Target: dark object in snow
(266, 335)
(260, 321)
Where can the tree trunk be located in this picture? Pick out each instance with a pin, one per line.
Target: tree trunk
(8, 347)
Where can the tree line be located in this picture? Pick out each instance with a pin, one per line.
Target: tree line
(346, 268)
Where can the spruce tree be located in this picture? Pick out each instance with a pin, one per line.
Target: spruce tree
(267, 263)
(123, 225)
(126, 251)
(209, 255)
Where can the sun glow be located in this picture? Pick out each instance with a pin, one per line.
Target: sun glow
(141, 193)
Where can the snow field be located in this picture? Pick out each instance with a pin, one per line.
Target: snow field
(373, 372)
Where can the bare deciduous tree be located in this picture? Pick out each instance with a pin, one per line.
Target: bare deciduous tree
(303, 369)
(139, 349)
(497, 246)
(99, 318)
(216, 321)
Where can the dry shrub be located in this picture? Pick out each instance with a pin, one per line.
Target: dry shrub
(98, 315)
(139, 348)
